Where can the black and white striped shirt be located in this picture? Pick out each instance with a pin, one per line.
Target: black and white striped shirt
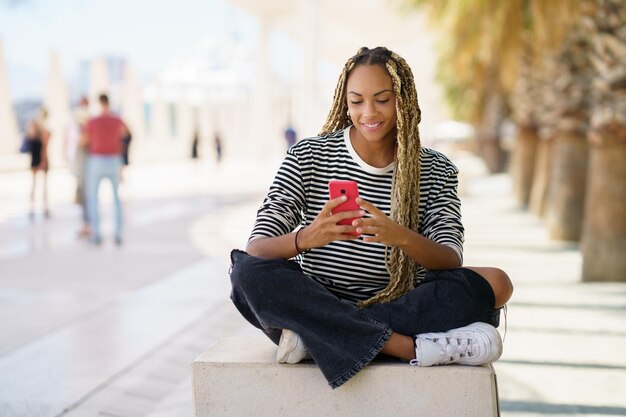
(353, 269)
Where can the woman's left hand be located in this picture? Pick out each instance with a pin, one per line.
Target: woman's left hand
(382, 228)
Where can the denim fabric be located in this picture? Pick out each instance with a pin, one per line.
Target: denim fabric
(99, 167)
(79, 169)
(274, 294)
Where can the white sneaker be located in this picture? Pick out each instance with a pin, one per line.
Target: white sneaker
(476, 344)
(291, 349)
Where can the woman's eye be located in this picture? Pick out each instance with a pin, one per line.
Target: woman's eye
(382, 101)
(356, 102)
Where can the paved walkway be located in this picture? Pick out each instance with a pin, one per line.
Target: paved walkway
(112, 331)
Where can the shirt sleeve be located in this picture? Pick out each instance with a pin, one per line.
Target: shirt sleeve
(442, 218)
(282, 209)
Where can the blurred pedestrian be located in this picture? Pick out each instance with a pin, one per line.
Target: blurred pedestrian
(103, 136)
(290, 136)
(38, 137)
(128, 137)
(194, 145)
(76, 156)
(218, 147)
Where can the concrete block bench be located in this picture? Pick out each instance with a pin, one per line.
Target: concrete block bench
(239, 377)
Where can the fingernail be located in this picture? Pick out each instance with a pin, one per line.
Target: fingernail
(344, 198)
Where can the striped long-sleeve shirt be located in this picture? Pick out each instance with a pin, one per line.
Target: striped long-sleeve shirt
(353, 269)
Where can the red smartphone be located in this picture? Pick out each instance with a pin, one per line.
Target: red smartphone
(337, 188)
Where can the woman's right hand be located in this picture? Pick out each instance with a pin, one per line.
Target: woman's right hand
(324, 229)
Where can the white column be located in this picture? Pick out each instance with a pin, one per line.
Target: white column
(261, 133)
(206, 123)
(98, 83)
(57, 102)
(9, 135)
(185, 123)
(307, 93)
(160, 128)
(132, 106)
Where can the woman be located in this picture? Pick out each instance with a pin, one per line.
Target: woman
(391, 282)
(38, 136)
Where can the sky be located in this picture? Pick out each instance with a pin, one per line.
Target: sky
(148, 33)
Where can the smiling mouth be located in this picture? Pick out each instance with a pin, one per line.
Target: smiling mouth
(372, 125)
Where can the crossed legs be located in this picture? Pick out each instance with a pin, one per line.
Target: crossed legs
(402, 346)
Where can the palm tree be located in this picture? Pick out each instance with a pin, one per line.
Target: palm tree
(546, 129)
(479, 31)
(571, 91)
(604, 227)
(484, 108)
(525, 100)
(481, 65)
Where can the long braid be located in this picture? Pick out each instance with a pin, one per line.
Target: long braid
(405, 185)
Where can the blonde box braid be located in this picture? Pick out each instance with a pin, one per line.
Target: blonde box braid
(405, 185)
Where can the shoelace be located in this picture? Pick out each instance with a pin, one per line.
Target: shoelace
(505, 308)
(457, 350)
(453, 349)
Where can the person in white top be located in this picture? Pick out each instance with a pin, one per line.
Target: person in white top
(76, 157)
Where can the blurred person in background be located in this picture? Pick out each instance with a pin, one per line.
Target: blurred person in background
(76, 156)
(38, 138)
(195, 143)
(218, 147)
(103, 135)
(290, 136)
(126, 140)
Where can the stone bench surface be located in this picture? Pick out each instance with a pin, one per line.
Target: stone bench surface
(240, 377)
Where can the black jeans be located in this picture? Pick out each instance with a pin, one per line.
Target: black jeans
(274, 294)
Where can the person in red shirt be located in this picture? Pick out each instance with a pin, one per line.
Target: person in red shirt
(103, 137)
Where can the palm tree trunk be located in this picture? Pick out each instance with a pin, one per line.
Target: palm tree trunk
(490, 149)
(488, 138)
(604, 229)
(541, 178)
(523, 164)
(567, 188)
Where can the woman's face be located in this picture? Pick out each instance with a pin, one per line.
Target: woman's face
(372, 103)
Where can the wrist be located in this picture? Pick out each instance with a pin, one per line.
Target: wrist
(300, 248)
(406, 236)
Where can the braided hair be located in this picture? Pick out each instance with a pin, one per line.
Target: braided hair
(405, 189)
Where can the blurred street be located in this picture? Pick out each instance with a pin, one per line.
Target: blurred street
(108, 331)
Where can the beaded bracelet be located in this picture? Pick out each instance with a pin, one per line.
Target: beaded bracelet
(296, 242)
